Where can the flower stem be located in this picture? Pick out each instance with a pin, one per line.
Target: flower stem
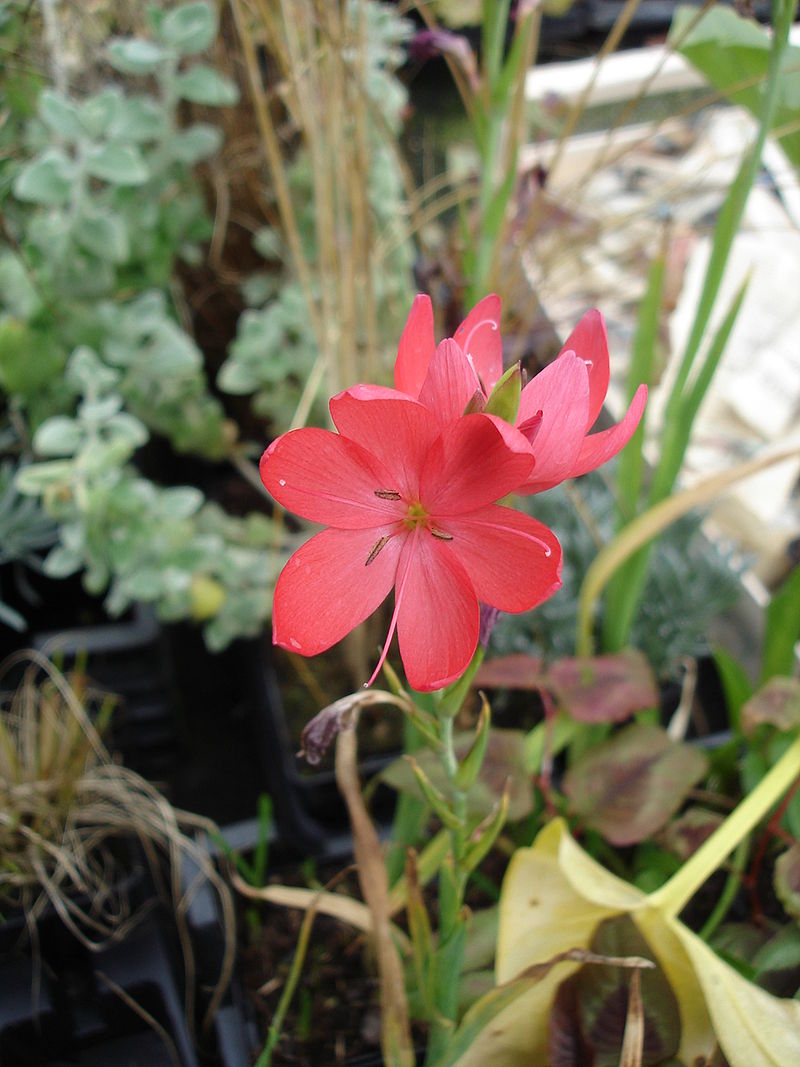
(452, 885)
(674, 895)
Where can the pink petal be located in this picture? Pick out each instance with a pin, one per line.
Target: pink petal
(370, 392)
(450, 384)
(589, 340)
(561, 393)
(479, 337)
(599, 447)
(328, 479)
(396, 430)
(438, 613)
(513, 561)
(416, 348)
(327, 588)
(476, 460)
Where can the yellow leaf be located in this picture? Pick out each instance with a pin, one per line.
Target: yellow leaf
(754, 1028)
(554, 895)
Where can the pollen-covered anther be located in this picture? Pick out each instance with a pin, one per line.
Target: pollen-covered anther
(373, 552)
(387, 494)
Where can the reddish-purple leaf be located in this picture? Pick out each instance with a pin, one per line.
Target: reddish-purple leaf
(685, 835)
(603, 995)
(587, 1021)
(591, 689)
(776, 703)
(518, 671)
(604, 688)
(787, 880)
(629, 786)
(565, 1044)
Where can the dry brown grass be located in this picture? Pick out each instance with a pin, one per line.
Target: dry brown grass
(71, 819)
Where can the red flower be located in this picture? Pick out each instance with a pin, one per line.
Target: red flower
(560, 405)
(408, 504)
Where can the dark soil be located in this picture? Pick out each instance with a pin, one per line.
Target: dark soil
(334, 1018)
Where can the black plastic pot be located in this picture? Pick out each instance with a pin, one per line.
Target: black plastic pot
(124, 1003)
(64, 1003)
(207, 728)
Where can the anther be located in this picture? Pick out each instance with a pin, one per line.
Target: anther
(373, 552)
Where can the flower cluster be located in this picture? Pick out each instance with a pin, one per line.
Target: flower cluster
(408, 491)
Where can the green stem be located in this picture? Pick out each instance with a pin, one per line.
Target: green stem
(672, 897)
(452, 880)
(275, 1027)
(730, 889)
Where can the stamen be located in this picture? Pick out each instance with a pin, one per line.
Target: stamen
(373, 552)
(387, 494)
(399, 589)
(442, 536)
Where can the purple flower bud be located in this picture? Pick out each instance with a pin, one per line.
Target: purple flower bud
(430, 43)
(488, 618)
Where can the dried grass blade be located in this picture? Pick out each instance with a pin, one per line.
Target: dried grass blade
(633, 1039)
(395, 1030)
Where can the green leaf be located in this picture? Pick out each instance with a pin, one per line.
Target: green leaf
(99, 112)
(30, 359)
(198, 142)
(62, 561)
(18, 293)
(120, 164)
(36, 477)
(58, 436)
(136, 56)
(204, 85)
(504, 399)
(238, 378)
(87, 372)
(139, 119)
(733, 53)
(782, 628)
(105, 236)
(60, 115)
(503, 765)
(129, 430)
(470, 765)
(188, 29)
(268, 243)
(735, 683)
(181, 502)
(47, 179)
(100, 410)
